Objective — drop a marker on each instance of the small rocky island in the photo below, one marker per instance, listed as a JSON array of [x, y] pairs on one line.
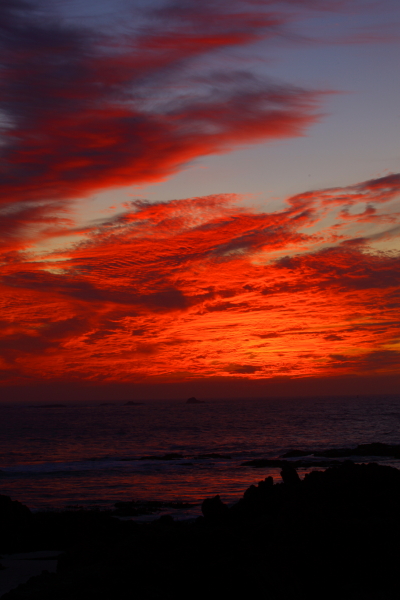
[[193, 400], [132, 403]]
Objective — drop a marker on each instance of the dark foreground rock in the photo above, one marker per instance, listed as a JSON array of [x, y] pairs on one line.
[[333, 534], [15, 520], [262, 463], [136, 508], [362, 450]]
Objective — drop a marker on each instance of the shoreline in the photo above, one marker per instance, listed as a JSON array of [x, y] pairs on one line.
[[170, 491], [343, 521]]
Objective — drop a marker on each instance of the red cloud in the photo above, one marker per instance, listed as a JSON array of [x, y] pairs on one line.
[[84, 111], [184, 289], [198, 288], [23, 224], [378, 190]]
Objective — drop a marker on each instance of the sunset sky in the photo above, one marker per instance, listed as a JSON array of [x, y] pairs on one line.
[[199, 198]]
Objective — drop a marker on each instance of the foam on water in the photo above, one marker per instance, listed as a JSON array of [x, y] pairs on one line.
[[94, 455]]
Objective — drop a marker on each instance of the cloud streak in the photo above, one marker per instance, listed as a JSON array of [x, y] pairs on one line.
[[207, 288], [191, 288], [84, 110]]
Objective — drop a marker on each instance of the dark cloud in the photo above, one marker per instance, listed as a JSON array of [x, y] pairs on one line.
[[77, 288], [242, 369], [350, 269], [266, 336], [15, 345], [24, 223], [382, 360], [181, 288], [83, 110]]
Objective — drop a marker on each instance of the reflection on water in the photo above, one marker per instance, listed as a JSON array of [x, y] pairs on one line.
[[90, 455]]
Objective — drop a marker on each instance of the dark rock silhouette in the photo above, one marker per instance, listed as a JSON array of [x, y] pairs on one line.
[[194, 400], [290, 476], [15, 519], [332, 534], [137, 508], [214, 510], [262, 463], [297, 453], [12, 511], [374, 449], [256, 501], [164, 521]]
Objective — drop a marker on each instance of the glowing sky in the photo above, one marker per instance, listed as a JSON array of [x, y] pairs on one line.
[[194, 191]]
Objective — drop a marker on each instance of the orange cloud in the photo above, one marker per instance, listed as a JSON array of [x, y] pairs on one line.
[[195, 288], [202, 288]]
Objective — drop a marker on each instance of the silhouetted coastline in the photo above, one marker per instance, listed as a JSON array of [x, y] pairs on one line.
[[332, 534], [374, 449], [127, 453]]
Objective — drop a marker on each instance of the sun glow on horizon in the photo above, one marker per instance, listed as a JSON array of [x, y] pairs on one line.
[[209, 285]]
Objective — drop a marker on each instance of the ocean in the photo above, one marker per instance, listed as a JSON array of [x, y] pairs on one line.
[[95, 456]]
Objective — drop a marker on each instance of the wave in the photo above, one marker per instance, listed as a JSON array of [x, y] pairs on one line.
[[117, 464]]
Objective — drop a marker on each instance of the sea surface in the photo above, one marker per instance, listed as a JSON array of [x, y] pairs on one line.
[[95, 456]]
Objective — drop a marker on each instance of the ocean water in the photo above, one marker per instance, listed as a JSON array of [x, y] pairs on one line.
[[58, 457]]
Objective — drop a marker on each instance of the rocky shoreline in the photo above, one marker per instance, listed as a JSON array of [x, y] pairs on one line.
[[334, 533]]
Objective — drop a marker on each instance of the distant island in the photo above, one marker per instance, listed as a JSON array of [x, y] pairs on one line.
[[194, 400], [48, 406], [132, 403]]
